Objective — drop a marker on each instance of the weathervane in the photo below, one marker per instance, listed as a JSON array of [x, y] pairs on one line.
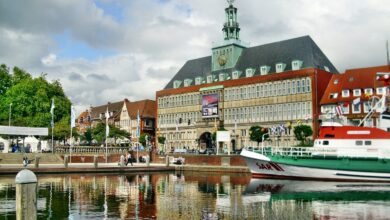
[[230, 2]]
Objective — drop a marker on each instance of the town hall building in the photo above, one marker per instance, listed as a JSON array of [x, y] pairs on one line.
[[237, 86]]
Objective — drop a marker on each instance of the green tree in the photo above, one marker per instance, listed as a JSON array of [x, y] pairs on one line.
[[142, 139], [257, 133], [116, 133], [5, 79], [161, 139], [301, 132], [31, 100], [62, 130], [87, 136], [99, 132]]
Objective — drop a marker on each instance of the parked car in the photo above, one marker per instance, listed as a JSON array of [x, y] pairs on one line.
[[207, 151], [180, 151]]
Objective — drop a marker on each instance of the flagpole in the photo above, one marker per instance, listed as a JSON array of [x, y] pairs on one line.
[[71, 144], [52, 124]]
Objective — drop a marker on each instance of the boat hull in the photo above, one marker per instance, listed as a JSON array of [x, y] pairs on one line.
[[262, 166]]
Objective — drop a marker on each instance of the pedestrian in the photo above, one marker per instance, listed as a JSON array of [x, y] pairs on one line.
[[129, 159], [122, 160], [25, 161]]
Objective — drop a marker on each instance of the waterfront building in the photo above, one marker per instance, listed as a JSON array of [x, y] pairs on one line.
[[122, 114], [238, 86], [355, 91]]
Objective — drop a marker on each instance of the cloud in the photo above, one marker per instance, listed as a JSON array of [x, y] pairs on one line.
[[139, 45]]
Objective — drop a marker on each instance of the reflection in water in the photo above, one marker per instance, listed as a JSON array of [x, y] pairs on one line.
[[198, 196]]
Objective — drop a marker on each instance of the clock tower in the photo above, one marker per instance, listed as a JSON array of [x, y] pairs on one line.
[[226, 53]]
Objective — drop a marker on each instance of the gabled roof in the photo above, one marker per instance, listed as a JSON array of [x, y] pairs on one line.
[[352, 79], [301, 48], [146, 108], [115, 107]]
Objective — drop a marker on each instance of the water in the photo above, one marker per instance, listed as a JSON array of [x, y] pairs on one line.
[[198, 196]]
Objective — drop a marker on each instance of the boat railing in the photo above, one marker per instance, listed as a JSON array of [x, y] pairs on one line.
[[297, 151]]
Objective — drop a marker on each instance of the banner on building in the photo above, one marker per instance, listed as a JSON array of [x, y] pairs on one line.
[[210, 106]]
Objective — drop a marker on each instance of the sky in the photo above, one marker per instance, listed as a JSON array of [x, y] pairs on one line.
[[108, 50]]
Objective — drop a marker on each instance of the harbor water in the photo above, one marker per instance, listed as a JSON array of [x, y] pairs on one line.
[[195, 195]]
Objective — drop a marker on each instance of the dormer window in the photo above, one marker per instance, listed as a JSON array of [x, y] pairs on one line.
[[345, 93], [280, 67], [368, 91], [198, 80], [264, 70], [209, 78], [176, 84], [249, 72], [222, 77], [187, 82], [296, 65], [357, 92], [236, 74], [333, 95], [336, 81]]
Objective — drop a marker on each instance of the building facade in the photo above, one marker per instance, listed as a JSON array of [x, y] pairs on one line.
[[355, 91], [270, 85]]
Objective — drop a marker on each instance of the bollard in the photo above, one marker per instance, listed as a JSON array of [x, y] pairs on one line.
[[37, 161], [147, 161], [26, 195], [95, 161], [66, 160], [122, 161], [167, 161]]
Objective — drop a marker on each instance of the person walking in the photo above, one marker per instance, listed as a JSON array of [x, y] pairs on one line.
[[129, 159]]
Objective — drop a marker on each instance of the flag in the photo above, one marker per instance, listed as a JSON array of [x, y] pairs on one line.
[[356, 101], [273, 130], [339, 110], [282, 128], [107, 127], [72, 117], [138, 125], [52, 107]]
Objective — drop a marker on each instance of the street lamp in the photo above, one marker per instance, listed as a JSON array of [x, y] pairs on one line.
[[10, 109]]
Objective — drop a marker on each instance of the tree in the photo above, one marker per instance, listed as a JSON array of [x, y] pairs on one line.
[[5, 79], [142, 139], [87, 136], [99, 132], [116, 133], [161, 139], [257, 133], [31, 99], [301, 132]]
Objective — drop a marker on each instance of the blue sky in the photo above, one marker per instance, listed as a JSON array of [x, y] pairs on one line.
[[108, 50]]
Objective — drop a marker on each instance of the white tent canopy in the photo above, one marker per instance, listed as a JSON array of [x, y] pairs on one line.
[[4, 145]]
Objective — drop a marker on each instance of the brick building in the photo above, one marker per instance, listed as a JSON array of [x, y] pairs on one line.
[[274, 84]]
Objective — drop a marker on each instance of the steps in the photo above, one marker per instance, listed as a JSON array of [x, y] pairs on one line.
[[17, 158]]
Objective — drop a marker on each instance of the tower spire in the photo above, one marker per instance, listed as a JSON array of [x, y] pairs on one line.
[[231, 29]]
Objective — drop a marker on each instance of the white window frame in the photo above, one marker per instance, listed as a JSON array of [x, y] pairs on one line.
[[222, 77], [357, 92], [380, 90], [358, 111], [187, 82], [345, 108], [198, 80], [366, 107], [249, 72], [209, 79], [236, 74], [264, 70], [345, 93], [368, 91], [176, 84], [333, 95], [279, 67], [296, 64]]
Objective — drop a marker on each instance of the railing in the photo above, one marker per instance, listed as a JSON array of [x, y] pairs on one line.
[[295, 151], [92, 150]]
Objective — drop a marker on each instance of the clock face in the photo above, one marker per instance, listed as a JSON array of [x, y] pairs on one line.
[[222, 59]]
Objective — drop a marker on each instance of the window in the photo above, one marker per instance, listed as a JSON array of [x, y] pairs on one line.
[[264, 70], [380, 90], [236, 74], [357, 92], [368, 91], [249, 72], [356, 108], [222, 77], [345, 108], [326, 69], [176, 84], [280, 67], [367, 142], [209, 78], [345, 93], [198, 80], [187, 82], [336, 81], [325, 143], [296, 64], [366, 107], [308, 85], [359, 143], [333, 95]]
